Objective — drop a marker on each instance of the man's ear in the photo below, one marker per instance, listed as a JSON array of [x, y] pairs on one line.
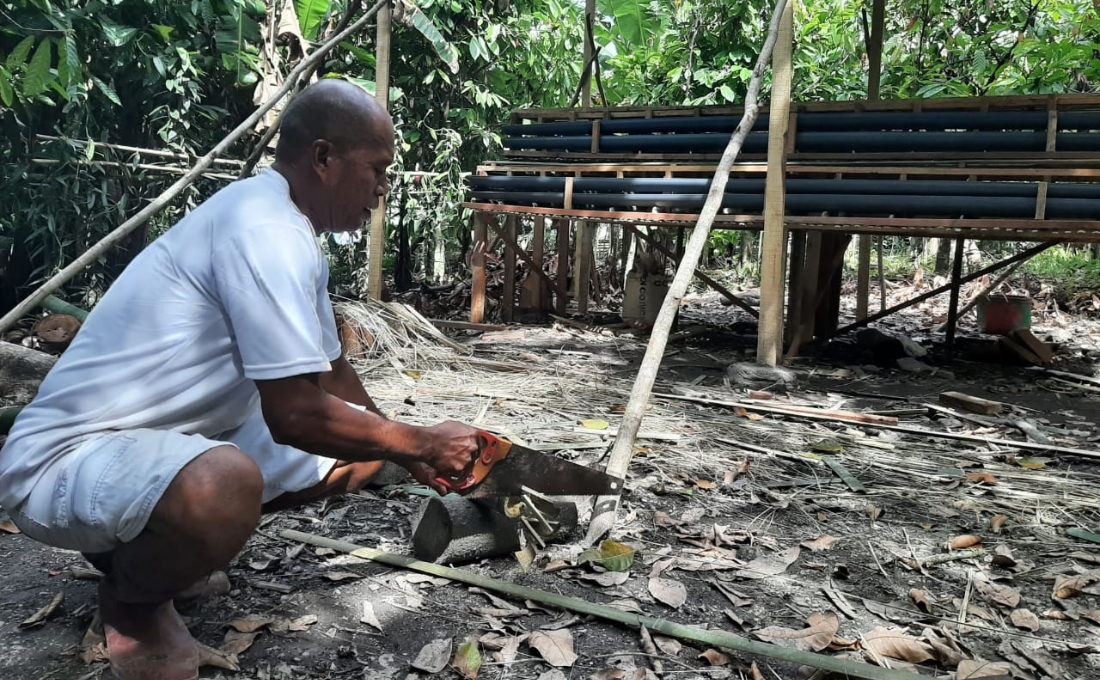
[[320, 156]]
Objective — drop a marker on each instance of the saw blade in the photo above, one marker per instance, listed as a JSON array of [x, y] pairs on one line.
[[546, 474]]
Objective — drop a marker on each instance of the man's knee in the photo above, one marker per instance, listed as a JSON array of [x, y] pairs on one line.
[[222, 489]]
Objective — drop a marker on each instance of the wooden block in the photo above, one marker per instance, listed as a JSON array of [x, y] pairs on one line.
[[1037, 346], [1019, 351], [970, 403]]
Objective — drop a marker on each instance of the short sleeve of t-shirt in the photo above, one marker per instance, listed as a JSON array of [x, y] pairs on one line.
[[330, 337], [267, 278]]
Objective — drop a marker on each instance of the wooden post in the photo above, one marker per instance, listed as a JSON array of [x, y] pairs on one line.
[[538, 250], [956, 276], [581, 271], [770, 337], [874, 80], [794, 293], [382, 94], [563, 266], [509, 302], [477, 261]]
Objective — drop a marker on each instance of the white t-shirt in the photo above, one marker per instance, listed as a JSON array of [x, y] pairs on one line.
[[236, 292]]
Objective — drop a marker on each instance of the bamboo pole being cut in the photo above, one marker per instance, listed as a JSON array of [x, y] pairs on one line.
[[605, 509], [92, 254], [717, 638]]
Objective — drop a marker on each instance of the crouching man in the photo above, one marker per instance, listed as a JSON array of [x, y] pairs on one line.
[[208, 386]]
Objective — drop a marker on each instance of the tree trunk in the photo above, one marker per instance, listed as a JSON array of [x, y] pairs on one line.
[[21, 373]]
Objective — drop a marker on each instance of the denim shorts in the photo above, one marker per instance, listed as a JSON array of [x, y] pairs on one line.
[[102, 492]]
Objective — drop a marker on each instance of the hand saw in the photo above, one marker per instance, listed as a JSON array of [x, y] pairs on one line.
[[506, 469]]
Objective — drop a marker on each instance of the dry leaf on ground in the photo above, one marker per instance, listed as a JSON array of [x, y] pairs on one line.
[[39, 617], [964, 541], [981, 477], [467, 660], [302, 623], [552, 674], [770, 565], [433, 657], [714, 657], [555, 646], [607, 578], [340, 575], [216, 658], [8, 527], [996, 522], [368, 616], [237, 643], [897, 645], [1002, 556], [667, 645], [663, 520], [251, 623], [1025, 620], [756, 674], [669, 591], [822, 629], [823, 542], [997, 593], [626, 606], [1072, 586], [921, 599], [983, 670]]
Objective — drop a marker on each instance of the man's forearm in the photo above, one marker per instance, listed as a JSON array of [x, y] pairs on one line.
[[343, 382]]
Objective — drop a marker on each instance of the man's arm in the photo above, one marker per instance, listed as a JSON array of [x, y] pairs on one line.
[[300, 413], [343, 382]]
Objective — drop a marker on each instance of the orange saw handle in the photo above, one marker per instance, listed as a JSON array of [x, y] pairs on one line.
[[491, 450]]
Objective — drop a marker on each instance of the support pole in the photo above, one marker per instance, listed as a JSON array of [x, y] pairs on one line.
[[606, 507], [561, 296], [772, 255], [583, 241], [874, 81], [953, 306], [508, 302], [382, 94], [477, 263]]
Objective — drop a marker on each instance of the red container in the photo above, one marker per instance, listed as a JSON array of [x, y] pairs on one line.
[[1002, 314]]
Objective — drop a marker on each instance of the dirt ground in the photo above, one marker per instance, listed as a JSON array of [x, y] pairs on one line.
[[734, 513]]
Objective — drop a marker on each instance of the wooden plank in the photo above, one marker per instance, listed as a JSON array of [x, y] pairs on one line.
[[971, 403], [1037, 346], [464, 326], [1020, 351], [773, 255], [561, 298], [508, 304], [729, 295], [863, 276], [583, 259], [477, 261], [956, 276]]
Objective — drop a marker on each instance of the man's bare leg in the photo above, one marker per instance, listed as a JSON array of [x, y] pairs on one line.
[[200, 523], [344, 478]]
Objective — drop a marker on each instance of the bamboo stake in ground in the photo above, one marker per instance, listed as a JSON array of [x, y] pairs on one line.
[[717, 638], [604, 513], [105, 244]]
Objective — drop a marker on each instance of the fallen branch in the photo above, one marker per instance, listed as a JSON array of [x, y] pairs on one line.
[[952, 557], [785, 410], [1084, 453], [717, 638], [605, 510], [120, 232]]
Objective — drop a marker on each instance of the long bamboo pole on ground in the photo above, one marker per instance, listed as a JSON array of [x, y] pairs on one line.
[[605, 510], [120, 232], [717, 638]]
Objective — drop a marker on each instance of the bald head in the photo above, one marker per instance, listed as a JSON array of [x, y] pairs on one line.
[[334, 110]]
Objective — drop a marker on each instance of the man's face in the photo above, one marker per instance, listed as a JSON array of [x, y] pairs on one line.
[[354, 179]]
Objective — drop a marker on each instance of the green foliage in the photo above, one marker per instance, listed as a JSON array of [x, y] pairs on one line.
[[1072, 271], [312, 15]]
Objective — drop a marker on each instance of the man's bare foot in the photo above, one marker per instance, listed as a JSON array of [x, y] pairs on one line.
[[146, 642]]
